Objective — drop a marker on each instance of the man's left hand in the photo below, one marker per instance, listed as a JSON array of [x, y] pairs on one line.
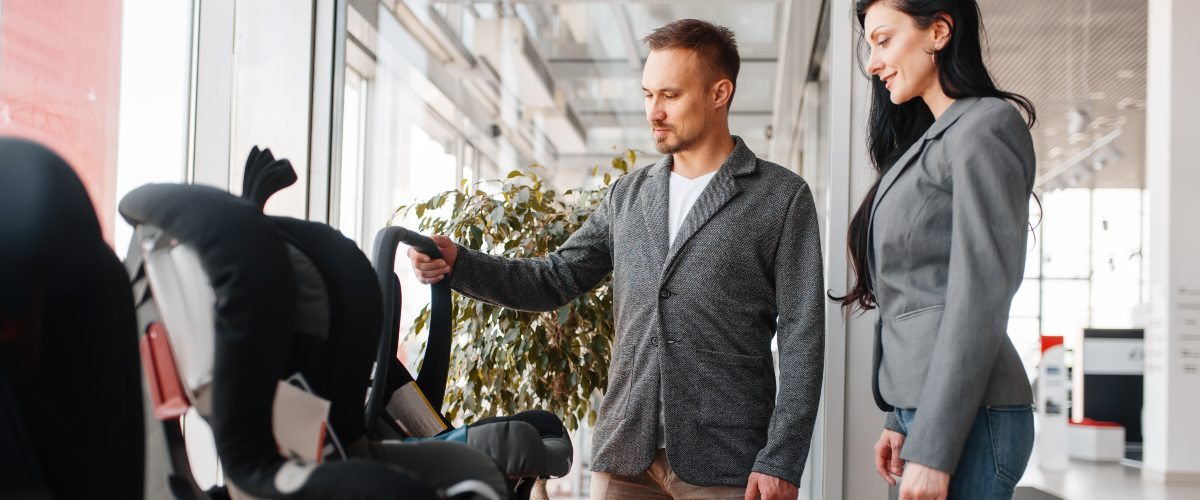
[[770, 488]]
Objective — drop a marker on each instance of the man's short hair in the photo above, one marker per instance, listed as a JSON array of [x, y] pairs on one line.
[[714, 45]]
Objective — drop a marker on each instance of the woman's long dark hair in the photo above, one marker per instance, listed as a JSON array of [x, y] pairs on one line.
[[893, 128]]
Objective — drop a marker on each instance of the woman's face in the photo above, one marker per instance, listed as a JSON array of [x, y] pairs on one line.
[[901, 52]]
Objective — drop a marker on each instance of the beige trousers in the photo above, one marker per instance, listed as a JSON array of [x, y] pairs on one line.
[[658, 482]]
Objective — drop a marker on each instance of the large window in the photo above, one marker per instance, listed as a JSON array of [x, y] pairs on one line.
[[350, 178], [1084, 268], [155, 85], [414, 144], [271, 95]]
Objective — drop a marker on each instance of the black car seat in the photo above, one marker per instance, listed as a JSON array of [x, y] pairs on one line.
[[219, 273], [70, 393], [527, 446]]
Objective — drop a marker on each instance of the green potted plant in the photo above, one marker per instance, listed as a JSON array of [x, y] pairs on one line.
[[505, 361]]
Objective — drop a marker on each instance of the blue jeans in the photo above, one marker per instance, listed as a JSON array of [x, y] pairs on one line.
[[995, 454]]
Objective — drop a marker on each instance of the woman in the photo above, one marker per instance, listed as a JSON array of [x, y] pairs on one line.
[[939, 246]]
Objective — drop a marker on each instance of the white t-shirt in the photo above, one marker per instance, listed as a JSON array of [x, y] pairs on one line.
[[684, 193]]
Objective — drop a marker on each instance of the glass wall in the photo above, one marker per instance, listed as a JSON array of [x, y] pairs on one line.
[[271, 99], [404, 138], [1084, 268], [152, 135], [349, 209]]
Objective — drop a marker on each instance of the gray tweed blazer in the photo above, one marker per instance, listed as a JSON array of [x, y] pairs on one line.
[[948, 247], [693, 321]]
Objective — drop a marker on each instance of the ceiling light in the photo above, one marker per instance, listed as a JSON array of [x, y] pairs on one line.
[[1077, 121], [1131, 103]]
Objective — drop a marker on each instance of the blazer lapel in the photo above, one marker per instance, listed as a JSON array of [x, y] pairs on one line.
[[940, 125], [720, 190], [896, 169], [653, 200]]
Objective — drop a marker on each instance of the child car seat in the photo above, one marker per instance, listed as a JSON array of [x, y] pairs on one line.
[[241, 308], [529, 445]]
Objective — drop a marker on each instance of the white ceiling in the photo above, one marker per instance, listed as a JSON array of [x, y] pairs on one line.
[[1082, 55], [1088, 55], [590, 56]]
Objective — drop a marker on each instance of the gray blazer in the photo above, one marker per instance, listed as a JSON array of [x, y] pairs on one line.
[[695, 319], [948, 247]]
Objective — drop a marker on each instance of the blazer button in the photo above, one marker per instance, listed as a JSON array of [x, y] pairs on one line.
[[664, 294], [654, 341]]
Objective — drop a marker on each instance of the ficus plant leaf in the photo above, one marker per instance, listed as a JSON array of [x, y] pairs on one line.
[[504, 361]]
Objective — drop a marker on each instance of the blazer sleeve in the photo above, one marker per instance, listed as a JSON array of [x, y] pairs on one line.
[[542, 283], [892, 422], [991, 180], [799, 289]]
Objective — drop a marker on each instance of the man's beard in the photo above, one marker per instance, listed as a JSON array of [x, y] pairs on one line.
[[684, 144]]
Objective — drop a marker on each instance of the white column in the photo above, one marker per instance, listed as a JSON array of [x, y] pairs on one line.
[[1172, 398], [852, 421]]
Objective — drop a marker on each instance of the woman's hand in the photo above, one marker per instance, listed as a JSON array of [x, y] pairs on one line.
[[923, 483], [431, 271], [887, 455]]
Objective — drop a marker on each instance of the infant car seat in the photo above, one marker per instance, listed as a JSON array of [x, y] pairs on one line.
[[528, 445], [231, 307]]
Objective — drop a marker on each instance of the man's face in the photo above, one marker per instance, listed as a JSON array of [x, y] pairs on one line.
[[679, 105]]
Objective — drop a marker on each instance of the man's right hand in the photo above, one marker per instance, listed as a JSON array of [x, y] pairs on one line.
[[430, 271], [887, 455]]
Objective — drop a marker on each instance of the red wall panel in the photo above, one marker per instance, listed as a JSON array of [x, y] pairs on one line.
[[60, 67]]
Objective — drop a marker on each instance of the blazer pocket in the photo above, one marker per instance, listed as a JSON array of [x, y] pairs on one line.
[[735, 390], [919, 311], [615, 404]]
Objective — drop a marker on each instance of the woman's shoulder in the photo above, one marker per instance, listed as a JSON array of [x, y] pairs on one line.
[[992, 127], [992, 113]]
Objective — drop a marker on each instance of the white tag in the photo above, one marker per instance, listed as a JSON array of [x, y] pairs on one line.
[[299, 423], [413, 412]]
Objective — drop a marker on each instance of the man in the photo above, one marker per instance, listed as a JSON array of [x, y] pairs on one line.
[[713, 252]]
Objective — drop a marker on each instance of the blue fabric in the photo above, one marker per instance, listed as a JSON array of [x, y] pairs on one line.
[[996, 452], [458, 435]]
